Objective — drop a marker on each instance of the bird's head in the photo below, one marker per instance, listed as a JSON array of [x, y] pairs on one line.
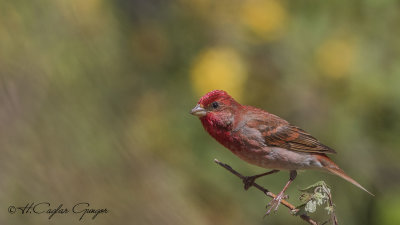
[[216, 108]]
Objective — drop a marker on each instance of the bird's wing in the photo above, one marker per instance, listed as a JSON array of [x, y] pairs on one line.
[[278, 132]]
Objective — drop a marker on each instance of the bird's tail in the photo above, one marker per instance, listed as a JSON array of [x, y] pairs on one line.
[[333, 168], [343, 175]]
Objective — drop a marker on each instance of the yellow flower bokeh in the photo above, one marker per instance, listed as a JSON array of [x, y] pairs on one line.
[[88, 14], [335, 57], [266, 18], [219, 68]]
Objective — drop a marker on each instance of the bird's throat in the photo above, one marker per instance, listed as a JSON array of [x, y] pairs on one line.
[[220, 130]]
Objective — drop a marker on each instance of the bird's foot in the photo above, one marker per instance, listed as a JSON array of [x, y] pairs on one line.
[[274, 203], [248, 182]]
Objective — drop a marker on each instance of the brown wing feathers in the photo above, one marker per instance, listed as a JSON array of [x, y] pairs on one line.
[[306, 140], [278, 132], [294, 138]]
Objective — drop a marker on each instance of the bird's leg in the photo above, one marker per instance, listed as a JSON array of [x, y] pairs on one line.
[[249, 181], [274, 203]]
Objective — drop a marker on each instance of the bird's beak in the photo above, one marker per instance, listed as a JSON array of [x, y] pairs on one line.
[[198, 111]]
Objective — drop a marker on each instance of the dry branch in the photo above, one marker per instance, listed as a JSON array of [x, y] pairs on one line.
[[267, 193]]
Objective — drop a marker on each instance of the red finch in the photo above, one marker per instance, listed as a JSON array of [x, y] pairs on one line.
[[263, 139]]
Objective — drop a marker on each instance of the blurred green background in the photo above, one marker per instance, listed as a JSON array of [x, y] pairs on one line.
[[95, 97]]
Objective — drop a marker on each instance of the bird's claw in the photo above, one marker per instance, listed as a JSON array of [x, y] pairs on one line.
[[274, 203], [248, 182]]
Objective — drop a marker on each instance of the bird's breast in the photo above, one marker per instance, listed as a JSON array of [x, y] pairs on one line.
[[256, 152], [248, 144]]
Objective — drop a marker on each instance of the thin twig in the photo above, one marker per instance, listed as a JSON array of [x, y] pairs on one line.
[[330, 203], [267, 193]]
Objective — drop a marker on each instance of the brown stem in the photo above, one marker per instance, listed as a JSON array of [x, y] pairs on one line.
[[267, 193], [330, 203]]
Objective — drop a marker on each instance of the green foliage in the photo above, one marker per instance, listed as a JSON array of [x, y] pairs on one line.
[[316, 195]]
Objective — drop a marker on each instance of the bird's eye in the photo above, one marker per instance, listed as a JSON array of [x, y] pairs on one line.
[[214, 105]]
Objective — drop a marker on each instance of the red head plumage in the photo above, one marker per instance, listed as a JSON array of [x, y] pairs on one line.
[[214, 96]]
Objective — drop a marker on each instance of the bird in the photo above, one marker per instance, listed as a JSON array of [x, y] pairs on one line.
[[265, 140]]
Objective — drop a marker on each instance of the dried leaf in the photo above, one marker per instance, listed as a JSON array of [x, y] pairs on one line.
[[311, 206]]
